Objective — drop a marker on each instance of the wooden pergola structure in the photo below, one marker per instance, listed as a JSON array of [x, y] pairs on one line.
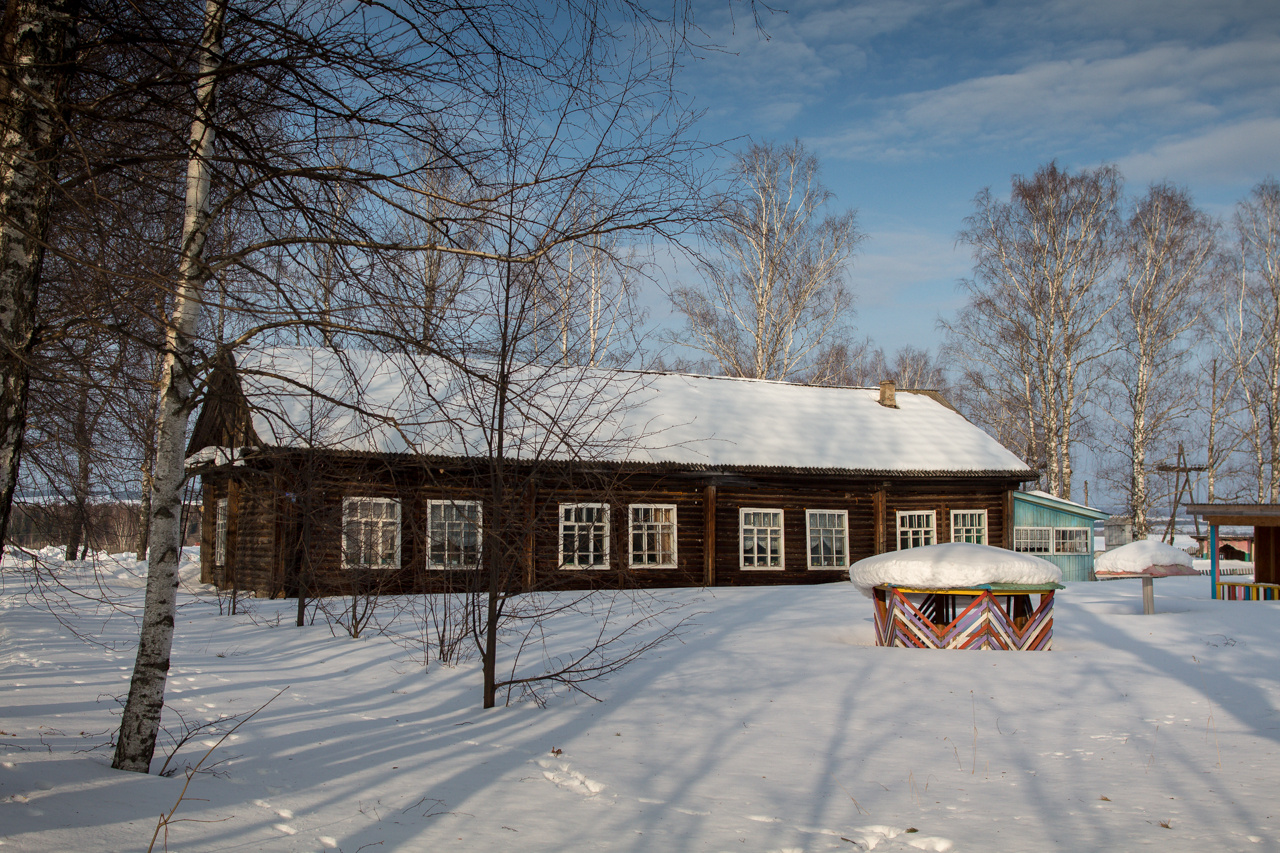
[[1265, 521]]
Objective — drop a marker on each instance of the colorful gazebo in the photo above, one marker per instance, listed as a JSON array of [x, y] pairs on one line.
[[960, 596]]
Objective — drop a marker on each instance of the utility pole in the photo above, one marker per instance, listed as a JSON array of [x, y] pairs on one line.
[[1182, 477]]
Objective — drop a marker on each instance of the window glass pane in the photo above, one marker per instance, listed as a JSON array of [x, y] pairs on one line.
[[584, 535], [653, 536], [969, 526], [761, 537], [828, 539], [1071, 540], [915, 529], [220, 534], [1033, 540], [454, 534], [371, 533]]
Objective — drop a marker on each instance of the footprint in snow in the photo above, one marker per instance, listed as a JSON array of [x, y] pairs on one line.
[[897, 838], [560, 774]]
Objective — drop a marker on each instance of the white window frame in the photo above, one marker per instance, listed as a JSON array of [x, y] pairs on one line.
[[386, 522], [650, 535], [1084, 534], [475, 521], [756, 537], [575, 527], [220, 531], [976, 533], [839, 537], [908, 526], [1042, 534]]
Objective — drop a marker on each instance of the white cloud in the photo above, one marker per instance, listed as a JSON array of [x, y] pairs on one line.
[[1077, 100], [1239, 153]]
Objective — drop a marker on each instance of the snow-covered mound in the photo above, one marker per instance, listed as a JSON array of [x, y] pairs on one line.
[[1146, 557], [951, 565]]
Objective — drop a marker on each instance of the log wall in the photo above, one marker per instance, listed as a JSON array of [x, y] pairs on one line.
[[285, 530]]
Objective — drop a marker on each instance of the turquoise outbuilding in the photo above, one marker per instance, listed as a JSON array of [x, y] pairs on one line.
[[1058, 530]]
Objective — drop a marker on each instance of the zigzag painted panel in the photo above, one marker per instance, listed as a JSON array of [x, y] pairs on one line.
[[985, 623]]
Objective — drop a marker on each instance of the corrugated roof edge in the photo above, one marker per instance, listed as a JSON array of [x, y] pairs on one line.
[[1062, 504], [247, 454]]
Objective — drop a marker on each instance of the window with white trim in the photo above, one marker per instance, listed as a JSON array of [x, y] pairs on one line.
[[1072, 540], [828, 531], [1033, 540], [969, 525], [916, 529], [370, 533], [453, 534], [653, 536], [584, 536], [760, 538], [220, 533]]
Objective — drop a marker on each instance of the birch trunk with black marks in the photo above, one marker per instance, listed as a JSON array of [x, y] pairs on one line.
[[140, 723], [38, 45]]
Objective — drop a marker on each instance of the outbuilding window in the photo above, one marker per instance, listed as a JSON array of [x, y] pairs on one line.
[[1033, 540], [653, 536], [370, 533], [453, 531], [969, 525], [828, 531], [1072, 540], [584, 536], [220, 533], [916, 529], [761, 538]]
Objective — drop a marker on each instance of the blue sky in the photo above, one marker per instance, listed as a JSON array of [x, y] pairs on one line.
[[913, 107]]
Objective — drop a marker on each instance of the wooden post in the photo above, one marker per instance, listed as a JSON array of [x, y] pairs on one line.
[[530, 570], [877, 510], [709, 536], [1006, 537], [233, 536], [1213, 557]]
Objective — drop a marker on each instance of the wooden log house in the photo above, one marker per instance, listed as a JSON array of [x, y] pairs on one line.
[[322, 470]]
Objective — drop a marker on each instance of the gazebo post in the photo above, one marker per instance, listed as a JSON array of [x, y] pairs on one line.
[[1213, 558]]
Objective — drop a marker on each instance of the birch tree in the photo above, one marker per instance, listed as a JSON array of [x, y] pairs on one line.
[[774, 272], [1253, 329], [36, 50], [508, 95], [1167, 247], [140, 722], [1028, 338]]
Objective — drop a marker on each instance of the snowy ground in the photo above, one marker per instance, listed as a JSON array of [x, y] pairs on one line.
[[775, 725]]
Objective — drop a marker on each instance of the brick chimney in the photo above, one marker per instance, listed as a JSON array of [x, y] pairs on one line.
[[887, 394]]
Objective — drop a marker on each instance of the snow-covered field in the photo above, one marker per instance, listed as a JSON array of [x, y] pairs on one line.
[[775, 725]]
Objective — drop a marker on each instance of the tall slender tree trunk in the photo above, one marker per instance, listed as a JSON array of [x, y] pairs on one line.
[[35, 66], [140, 722], [82, 440]]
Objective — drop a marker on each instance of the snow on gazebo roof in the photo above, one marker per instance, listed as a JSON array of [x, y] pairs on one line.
[[366, 401], [952, 565], [1145, 557]]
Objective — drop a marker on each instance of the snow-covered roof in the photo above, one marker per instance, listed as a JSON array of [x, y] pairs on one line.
[[370, 402], [952, 565], [1145, 557], [1045, 499]]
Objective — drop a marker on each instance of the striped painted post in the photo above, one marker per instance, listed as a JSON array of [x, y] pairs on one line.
[[1213, 558]]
